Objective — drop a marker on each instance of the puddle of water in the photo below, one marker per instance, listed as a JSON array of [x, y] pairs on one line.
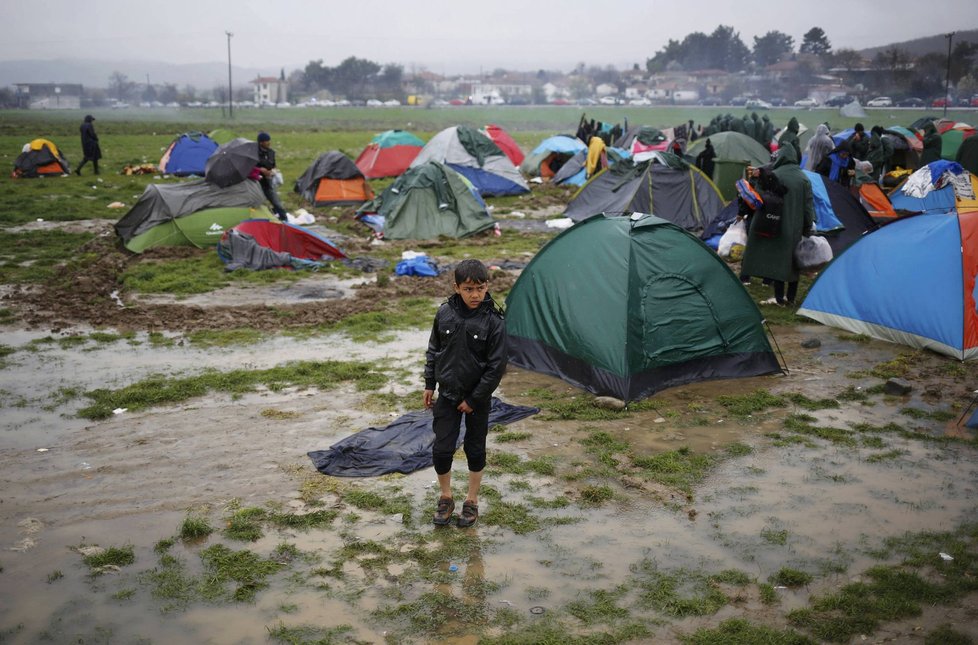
[[310, 289], [131, 478]]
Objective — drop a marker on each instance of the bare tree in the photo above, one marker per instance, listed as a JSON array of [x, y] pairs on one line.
[[120, 85]]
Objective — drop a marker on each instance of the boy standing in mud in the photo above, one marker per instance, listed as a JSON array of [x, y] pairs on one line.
[[466, 358]]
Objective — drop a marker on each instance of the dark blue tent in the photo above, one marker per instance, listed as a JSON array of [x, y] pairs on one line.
[[188, 154]]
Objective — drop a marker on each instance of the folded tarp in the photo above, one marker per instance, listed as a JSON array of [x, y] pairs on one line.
[[404, 446]]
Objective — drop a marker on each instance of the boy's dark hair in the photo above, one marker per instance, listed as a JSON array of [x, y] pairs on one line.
[[471, 270], [859, 128]]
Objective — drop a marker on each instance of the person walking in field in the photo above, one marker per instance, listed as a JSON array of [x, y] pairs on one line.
[[466, 358], [91, 151]]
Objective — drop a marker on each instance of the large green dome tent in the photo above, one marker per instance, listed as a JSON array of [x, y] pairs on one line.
[[426, 202], [627, 305]]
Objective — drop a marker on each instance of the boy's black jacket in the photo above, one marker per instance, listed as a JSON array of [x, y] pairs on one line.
[[467, 351]]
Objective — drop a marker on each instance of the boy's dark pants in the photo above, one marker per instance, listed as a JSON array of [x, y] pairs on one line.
[[446, 425]]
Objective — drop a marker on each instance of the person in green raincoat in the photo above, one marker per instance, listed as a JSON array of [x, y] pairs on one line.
[[879, 153], [790, 137], [749, 127], [932, 145], [774, 257], [768, 132]]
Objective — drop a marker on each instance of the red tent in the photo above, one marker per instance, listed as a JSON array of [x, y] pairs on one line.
[[506, 143], [297, 241]]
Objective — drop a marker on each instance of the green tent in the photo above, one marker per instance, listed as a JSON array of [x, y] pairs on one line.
[[627, 305], [426, 202], [951, 141], [192, 213], [734, 152]]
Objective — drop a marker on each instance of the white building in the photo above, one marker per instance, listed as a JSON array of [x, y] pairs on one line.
[[270, 90]]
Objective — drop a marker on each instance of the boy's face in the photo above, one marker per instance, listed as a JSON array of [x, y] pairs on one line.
[[473, 293]]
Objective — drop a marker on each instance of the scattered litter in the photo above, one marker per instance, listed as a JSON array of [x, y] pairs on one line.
[[517, 214], [99, 180], [537, 610], [397, 518], [87, 551], [780, 587], [40, 219], [301, 217], [85, 465], [119, 410], [115, 298], [658, 420], [410, 255], [945, 556], [506, 602], [43, 449], [560, 222], [116, 205], [453, 567], [536, 180]]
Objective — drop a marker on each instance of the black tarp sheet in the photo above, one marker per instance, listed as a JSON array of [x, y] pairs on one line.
[[403, 446]]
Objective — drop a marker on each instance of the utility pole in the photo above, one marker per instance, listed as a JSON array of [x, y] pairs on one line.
[[947, 76], [230, 91]]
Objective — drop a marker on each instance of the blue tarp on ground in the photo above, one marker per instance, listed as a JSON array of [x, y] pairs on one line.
[[404, 446]]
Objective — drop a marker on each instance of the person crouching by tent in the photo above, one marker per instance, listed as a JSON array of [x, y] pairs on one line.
[[838, 165], [770, 250], [266, 167], [91, 151], [466, 358]]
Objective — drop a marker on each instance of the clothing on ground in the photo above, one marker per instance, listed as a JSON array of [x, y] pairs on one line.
[[403, 446]]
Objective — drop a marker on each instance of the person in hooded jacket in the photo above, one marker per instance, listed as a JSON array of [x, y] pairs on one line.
[[819, 147], [466, 358], [880, 151], [91, 151], [790, 137], [933, 145], [774, 257], [704, 160]]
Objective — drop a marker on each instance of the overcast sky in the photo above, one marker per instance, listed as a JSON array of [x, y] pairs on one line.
[[444, 36]]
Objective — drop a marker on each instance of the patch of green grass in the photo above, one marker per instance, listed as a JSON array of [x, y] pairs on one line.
[[738, 449], [164, 545], [577, 408], [205, 338], [313, 520], [511, 437], [110, 557], [767, 593], [872, 442], [774, 536], [746, 405], [678, 593], [515, 465], [32, 257], [598, 606], [124, 594], [737, 631], [789, 577], [246, 570], [557, 502], [731, 577], [803, 401], [160, 390], [246, 524], [515, 517], [310, 635], [936, 415], [596, 495], [681, 469], [378, 326], [433, 611], [195, 528], [158, 339], [550, 631], [55, 575], [388, 504], [802, 424]]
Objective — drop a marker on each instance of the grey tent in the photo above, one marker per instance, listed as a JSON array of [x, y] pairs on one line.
[[663, 185], [333, 180], [191, 212], [852, 110]]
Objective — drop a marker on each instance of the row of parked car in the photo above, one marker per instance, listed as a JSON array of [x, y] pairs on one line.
[[844, 99]]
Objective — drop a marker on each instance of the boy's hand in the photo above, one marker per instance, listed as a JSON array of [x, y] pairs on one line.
[[464, 407], [428, 394]]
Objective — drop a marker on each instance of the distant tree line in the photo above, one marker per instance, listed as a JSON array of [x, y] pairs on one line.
[[354, 78]]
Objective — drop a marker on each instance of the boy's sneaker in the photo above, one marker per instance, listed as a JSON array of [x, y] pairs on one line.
[[470, 514], [443, 513]]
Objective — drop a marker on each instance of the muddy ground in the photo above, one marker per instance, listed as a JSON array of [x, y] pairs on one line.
[[819, 506]]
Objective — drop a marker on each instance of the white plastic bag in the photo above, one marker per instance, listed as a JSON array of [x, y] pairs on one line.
[[812, 252], [735, 236], [277, 178]]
